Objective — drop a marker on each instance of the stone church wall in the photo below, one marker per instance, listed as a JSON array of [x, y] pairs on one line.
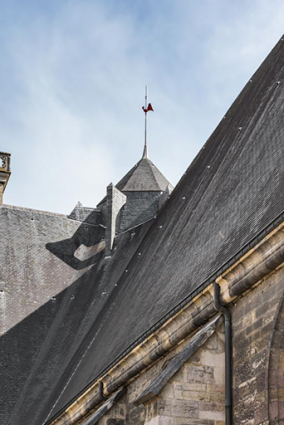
[[258, 333], [194, 395]]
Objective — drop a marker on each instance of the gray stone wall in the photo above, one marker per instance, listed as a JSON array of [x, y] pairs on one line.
[[1, 193], [258, 334], [195, 394], [140, 207], [86, 214], [115, 201]]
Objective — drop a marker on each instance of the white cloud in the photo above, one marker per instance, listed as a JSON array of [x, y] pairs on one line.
[[72, 85]]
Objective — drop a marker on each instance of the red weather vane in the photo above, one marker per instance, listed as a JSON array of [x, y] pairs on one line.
[[149, 108]]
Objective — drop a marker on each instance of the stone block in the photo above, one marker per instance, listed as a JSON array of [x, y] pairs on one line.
[[113, 421], [219, 374], [135, 415], [188, 421], [188, 391], [217, 415], [160, 420], [185, 408], [199, 374], [167, 391], [212, 359]]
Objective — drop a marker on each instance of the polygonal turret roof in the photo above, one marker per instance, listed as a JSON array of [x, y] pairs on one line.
[[143, 177]]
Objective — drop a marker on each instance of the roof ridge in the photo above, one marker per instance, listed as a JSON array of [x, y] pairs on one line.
[[128, 175], [16, 207], [151, 168]]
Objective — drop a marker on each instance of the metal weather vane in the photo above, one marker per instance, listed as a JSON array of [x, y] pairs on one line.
[[146, 109]]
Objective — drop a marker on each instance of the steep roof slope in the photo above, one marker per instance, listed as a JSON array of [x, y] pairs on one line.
[[24, 269], [55, 283], [231, 192]]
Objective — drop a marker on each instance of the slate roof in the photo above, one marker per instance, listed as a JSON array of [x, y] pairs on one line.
[[52, 296], [144, 176], [231, 193]]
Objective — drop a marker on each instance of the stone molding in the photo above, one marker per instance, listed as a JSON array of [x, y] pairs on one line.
[[5, 161], [245, 273]]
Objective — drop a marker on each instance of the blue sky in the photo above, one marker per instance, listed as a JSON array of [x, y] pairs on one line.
[[72, 80]]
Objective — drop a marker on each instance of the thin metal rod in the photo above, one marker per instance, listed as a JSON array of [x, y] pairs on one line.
[[145, 153]]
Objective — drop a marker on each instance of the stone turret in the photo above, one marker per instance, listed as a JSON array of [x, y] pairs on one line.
[[135, 199], [5, 173], [143, 185]]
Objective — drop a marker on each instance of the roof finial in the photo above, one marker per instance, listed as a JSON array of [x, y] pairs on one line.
[[146, 109]]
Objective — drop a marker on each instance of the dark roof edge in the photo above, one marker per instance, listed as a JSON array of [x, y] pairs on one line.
[[200, 152], [120, 185], [14, 207]]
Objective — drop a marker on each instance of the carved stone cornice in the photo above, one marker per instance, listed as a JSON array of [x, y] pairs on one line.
[[5, 161], [5, 172]]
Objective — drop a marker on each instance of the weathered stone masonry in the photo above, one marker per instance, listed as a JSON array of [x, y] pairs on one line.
[[195, 395], [258, 361]]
